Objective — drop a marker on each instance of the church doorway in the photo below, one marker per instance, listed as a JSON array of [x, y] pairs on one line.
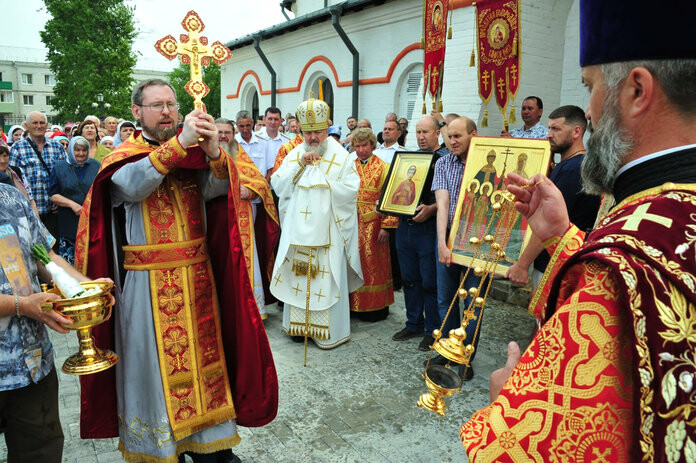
[[250, 100]]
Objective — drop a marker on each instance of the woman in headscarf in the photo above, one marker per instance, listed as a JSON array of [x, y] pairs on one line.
[[70, 181], [63, 140], [88, 129], [13, 175], [14, 134], [107, 141], [124, 130]]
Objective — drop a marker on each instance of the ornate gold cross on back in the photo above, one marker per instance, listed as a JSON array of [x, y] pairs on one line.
[[195, 52]]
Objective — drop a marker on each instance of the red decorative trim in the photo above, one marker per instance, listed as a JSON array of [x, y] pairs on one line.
[[339, 83]]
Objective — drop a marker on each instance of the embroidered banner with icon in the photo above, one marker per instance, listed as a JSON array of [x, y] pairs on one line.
[[498, 43], [434, 36]]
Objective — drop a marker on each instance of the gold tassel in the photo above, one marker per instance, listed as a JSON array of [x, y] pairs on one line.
[[514, 46], [484, 121], [424, 107], [505, 122], [422, 43], [439, 106], [434, 105], [513, 119], [449, 31], [472, 61]]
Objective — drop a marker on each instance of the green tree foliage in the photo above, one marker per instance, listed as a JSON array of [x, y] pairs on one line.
[[90, 52], [211, 76]]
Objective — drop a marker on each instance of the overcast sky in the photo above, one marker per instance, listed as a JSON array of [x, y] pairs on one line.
[[224, 21]]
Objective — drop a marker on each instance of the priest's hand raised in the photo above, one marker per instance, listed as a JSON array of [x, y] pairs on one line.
[[310, 157], [541, 203], [199, 127]]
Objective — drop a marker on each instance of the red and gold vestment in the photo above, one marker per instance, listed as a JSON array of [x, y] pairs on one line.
[[215, 359], [610, 375], [377, 292]]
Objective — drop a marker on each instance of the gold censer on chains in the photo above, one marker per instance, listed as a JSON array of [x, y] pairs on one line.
[[440, 380]]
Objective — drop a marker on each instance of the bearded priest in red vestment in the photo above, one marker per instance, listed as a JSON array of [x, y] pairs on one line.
[[610, 375], [194, 357], [372, 300]]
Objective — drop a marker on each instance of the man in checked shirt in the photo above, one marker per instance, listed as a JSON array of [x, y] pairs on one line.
[[447, 181], [35, 155]]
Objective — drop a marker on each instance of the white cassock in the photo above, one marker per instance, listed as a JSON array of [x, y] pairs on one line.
[[319, 217]]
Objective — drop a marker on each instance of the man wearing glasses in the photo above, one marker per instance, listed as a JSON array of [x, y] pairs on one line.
[[161, 218]]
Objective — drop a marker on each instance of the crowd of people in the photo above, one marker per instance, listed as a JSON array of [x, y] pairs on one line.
[[204, 224]]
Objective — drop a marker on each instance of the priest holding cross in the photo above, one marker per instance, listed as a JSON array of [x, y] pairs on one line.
[[161, 219]]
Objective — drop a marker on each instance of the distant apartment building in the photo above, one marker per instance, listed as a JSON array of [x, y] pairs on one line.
[[26, 84]]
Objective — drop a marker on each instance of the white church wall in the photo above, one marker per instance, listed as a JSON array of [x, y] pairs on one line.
[[549, 64], [380, 34], [572, 90], [544, 63]]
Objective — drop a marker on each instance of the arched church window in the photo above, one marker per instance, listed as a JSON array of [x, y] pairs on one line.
[[408, 91]]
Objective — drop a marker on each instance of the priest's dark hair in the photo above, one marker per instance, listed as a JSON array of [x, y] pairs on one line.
[[572, 114], [137, 95]]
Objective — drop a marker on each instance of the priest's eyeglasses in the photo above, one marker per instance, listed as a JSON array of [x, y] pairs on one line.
[[159, 107]]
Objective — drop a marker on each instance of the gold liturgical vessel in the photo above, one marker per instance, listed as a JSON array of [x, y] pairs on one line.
[[86, 312], [440, 380]]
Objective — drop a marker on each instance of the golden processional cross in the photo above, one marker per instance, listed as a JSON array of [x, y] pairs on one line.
[[195, 52]]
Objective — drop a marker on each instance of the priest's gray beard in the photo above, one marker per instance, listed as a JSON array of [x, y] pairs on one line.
[[320, 148], [607, 148], [231, 148]]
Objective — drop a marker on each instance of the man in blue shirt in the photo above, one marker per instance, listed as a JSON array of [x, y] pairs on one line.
[[28, 380], [35, 156], [532, 109]]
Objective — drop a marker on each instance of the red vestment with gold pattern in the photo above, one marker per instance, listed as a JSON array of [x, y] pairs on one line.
[[610, 375], [378, 291], [218, 364]]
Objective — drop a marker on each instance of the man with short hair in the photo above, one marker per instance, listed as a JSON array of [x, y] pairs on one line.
[[274, 139], [292, 128], [610, 374], [36, 155], [416, 248], [110, 124], [567, 126], [447, 182], [194, 356], [532, 109], [352, 124], [392, 117], [253, 144], [391, 134], [258, 217], [318, 262], [364, 124]]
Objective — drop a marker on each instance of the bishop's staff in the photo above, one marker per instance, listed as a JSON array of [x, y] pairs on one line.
[[195, 52]]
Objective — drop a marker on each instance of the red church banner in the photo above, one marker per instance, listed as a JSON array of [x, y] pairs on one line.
[[498, 32], [434, 36]]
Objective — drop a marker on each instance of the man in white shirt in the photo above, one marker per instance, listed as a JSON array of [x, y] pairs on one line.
[[254, 145], [390, 133], [274, 138]]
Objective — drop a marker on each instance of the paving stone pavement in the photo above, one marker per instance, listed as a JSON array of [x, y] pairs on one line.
[[356, 403]]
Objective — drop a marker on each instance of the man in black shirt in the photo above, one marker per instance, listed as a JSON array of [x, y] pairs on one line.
[[567, 126]]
